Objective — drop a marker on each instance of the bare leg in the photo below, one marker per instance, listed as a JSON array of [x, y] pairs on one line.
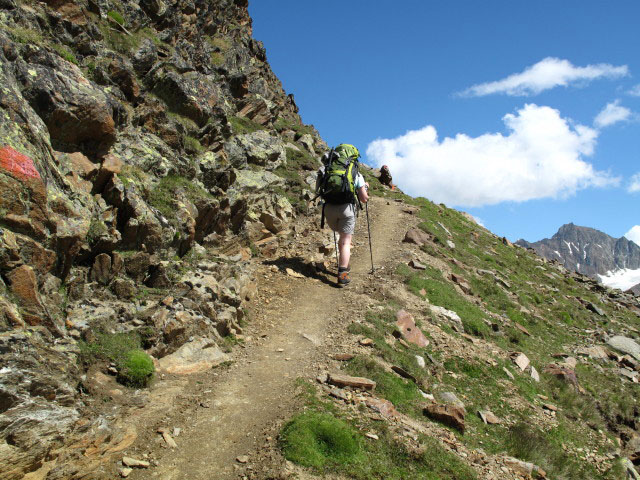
[[344, 246]]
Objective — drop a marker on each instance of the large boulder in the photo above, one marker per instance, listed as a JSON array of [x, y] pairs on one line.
[[78, 114], [258, 148]]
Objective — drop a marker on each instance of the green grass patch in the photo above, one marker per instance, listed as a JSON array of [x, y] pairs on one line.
[[315, 439], [192, 145], [135, 367], [217, 59], [442, 293], [322, 439], [282, 124], [117, 16], [243, 125], [25, 35], [163, 195]]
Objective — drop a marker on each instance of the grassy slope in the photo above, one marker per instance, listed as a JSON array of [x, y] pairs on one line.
[[542, 299]]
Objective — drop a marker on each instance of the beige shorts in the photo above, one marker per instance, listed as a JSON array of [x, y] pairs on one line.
[[341, 218]]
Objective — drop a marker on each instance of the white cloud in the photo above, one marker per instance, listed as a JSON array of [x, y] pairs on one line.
[[634, 184], [540, 157], [634, 234], [544, 75], [635, 91], [612, 113]]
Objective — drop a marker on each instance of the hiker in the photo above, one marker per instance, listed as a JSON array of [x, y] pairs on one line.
[[385, 177], [341, 187]]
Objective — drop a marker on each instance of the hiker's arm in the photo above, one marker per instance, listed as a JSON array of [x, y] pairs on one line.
[[363, 193]]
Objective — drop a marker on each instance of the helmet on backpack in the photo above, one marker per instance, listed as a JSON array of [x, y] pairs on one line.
[[347, 150]]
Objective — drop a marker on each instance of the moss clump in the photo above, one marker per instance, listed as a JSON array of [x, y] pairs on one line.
[[137, 369], [317, 439]]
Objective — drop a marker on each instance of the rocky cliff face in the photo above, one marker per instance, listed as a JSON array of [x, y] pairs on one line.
[[587, 251], [146, 151]]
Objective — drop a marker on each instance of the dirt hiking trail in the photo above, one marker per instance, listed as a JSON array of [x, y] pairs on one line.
[[296, 324]]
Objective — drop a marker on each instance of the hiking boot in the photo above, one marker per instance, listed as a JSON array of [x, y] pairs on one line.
[[343, 278]]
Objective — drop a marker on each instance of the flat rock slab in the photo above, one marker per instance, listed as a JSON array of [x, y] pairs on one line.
[[193, 357], [521, 360], [417, 236], [408, 329], [625, 345], [382, 406], [449, 415], [354, 382], [488, 417]]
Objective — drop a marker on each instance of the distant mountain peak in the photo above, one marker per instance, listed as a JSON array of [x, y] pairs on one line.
[[588, 251]]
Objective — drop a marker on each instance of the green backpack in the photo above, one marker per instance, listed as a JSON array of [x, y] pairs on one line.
[[336, 187]]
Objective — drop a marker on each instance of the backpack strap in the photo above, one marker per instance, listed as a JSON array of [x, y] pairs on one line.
[[322, 217]]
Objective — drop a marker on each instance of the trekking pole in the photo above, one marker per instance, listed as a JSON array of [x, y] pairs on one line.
[[369, 230], [335, 242]]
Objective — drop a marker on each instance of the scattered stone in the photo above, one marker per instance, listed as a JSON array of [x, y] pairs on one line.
[[421, 362], [509, 374], [404, 374], [354, 382], [449, 315], [382, 406], [311, 338], [451, 245], [534, 374], [135, 463], [522, 329], [449, 415], [563, 373], [322, 378], [343, 357], [417, 265], [166, 436], [625, 345], [450, 398], [293, 273], [595, 352], [521, 360], [193, 357], [417, 236], [595, 309], [242, 459], [340, 394], [488, 417], [366, 342], [524, 468], [125, 472], [548, 406], [408, 329], [372, 436]]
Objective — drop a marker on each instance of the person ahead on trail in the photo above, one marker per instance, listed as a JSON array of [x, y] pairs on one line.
[[385, 177], [341, 187]]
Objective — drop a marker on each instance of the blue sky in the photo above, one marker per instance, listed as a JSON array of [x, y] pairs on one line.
[[489, 107]]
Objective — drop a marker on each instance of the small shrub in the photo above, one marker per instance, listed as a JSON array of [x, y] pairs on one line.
[[137, 369]]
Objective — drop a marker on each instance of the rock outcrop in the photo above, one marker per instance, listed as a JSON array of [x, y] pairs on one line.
[[143, 150]]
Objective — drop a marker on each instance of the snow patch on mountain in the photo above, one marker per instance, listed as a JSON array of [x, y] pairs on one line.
[[623, 278]]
